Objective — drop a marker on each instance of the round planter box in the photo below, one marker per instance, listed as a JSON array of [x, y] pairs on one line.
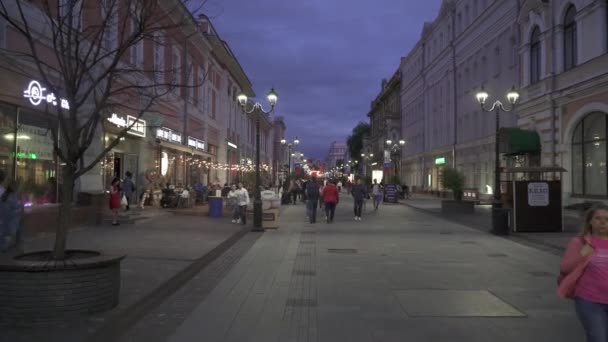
[[36, 290]]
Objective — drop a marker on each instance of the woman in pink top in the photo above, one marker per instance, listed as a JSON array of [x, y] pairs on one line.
[[588, 254]]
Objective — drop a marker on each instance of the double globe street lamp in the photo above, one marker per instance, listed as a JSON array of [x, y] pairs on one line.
[[255, 108], [499, 225], [294, 144], [395, 149]]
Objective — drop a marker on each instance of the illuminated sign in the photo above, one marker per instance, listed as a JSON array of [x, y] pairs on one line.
[[36, 94], [164, 163], [197, 144], [169, 135], [232, 145], [440, 161], [138, 127], [24, 155]]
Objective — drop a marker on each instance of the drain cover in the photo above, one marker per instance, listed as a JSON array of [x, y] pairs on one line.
[[342, 250], [305, 272], [497, 255], [301, 302]]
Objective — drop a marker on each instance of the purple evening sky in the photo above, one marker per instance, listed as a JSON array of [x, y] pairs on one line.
[[325, 58]]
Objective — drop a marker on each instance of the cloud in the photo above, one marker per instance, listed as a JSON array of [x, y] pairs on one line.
[[326, 58]]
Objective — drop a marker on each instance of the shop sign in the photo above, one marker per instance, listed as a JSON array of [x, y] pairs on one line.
[[538, 194], [36, 94], [169, 135], [440, 161], [197, 144], [24, 155], [232, 145], [138, 128]]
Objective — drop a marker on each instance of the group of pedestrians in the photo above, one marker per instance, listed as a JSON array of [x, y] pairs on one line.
[[317, 194], [238, 198]]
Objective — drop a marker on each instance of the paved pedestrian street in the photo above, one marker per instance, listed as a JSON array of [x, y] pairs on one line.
[[399, 275]]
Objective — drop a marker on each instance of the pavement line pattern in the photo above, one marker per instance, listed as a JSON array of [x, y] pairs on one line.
[[300, 315]]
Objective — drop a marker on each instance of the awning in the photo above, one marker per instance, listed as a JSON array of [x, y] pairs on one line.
[[516, 141], [185, 149]]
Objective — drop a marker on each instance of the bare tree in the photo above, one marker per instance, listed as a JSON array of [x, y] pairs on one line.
[[90, 55]]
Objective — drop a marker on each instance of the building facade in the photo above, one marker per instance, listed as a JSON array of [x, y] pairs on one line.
[[471, 43], [280, 152], [564, 88], [335, 154], [385, 124], [190, 135]]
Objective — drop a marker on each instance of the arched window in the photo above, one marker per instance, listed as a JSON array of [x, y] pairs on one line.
[[570, 38], [535, 56], [589, 156]]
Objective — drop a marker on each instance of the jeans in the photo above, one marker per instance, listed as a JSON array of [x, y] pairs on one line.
[[243, 213], [311, 207], [358, 207], [594, 318], [330, 209], [236, 212]]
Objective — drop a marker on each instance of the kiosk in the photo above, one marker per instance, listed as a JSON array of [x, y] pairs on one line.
[[536, 194]]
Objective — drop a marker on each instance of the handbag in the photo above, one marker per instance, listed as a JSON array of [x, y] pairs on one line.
[[566, 282], [123, 200]]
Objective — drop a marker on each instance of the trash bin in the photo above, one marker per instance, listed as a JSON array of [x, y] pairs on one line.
[[216, 205], [500, 221]]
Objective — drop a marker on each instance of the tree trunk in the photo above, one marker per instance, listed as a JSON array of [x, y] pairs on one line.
[[64, 219]]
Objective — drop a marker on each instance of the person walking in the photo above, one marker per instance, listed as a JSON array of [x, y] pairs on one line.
[[359, 192], [233, 204], [584, 274], [242, 198], [128, 188], [312, 195], [11, 213], [115, 200], [293, 189], [331, 197], [377, 194]]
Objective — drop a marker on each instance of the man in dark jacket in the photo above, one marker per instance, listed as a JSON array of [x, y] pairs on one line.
[[312, 196], [359, 192]]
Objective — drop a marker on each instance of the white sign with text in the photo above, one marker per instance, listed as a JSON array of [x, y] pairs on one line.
[[538, 194]]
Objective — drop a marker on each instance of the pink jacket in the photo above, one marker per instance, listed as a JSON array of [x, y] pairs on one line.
[[572, 267]]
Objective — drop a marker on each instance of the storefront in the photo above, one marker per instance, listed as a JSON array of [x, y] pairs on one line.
[[124, 157]]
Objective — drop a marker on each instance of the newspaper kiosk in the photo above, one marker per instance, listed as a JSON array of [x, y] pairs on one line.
[[537, 198]]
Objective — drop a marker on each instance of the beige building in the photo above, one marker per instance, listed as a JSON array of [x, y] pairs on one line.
[[564, 82], [469, 44]]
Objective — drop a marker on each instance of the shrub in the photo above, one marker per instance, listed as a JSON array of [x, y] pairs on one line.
[[454, 180]]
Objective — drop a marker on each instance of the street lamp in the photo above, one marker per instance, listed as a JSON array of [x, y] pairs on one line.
[[290, 145], [394, 148], [512, 97], [257, 110]]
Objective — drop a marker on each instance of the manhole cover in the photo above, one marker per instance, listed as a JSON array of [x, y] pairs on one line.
[[497, 255], [454, 303], [308, 273], [342, 250], [301, 302]]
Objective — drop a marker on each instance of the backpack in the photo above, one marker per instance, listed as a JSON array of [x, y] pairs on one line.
[[312, 189]]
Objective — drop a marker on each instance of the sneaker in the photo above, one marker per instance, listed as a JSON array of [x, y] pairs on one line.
[[238, 221], [359, 218], [233, 221], [356, 218]]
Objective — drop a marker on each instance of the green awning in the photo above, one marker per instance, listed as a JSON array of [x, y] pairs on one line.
[[516, 141]]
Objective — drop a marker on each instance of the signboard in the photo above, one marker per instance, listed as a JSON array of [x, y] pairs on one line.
[[169, 135], [36, 94], [138, 127], [538, 194], [391, 195], [440, 161], [196, 143], [387, 165], [232, 145]]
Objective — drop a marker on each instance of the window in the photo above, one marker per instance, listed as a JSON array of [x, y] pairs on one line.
[[109, 12], [2, 33], [137, 50], [570, 45], [175, 61], [535, 56], [71, 13], [497, 61], [159, 56], [589, 156], [202, 98], [189, 79]]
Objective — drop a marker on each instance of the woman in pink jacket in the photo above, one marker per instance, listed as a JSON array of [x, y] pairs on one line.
[[584, 274]]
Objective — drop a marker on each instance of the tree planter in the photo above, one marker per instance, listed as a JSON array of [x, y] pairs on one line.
[[36, 290], [457, 207]]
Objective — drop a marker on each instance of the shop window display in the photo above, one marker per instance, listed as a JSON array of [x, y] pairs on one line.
[[589, 156]]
